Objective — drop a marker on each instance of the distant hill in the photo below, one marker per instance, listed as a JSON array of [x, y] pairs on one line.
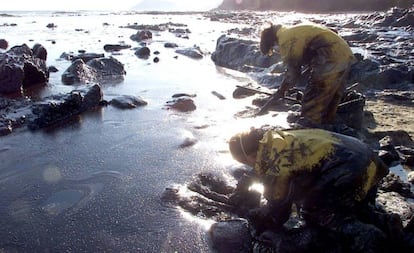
[[151, 5], [314, 5]]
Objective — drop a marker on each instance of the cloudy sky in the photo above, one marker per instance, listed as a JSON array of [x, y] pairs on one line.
[[71, 5]]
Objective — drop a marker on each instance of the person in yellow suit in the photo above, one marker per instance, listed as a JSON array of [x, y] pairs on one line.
[[326, 54], [329, 176]]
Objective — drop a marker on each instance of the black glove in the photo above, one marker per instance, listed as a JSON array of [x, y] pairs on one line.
[[260, 219], [245, 182], [243, 202], [270, 217]]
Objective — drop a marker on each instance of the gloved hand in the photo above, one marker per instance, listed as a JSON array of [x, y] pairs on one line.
[[270, 217], [237, 197], [244, 201], [260, 219], [244, 183]]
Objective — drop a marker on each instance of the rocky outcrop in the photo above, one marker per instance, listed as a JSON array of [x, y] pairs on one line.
[[128, 102], [22, 67], [143, 52], [97, 70], [313, 6], [181, 104], [211, 197], [60, 108], [241, 55], [141, 36], [192, 52], [231, 236], [388, 65]]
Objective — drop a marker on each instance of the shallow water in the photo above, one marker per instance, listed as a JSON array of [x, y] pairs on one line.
[[95, 184]]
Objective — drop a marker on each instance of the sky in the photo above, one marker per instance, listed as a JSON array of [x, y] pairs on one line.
[[73, 5]]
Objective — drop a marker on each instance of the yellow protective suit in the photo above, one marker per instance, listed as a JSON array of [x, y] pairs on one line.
[[331, 178], [316, 167], [329, 58]]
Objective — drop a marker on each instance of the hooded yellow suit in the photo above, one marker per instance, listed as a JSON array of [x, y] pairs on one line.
[[329, 58], [316, 168]]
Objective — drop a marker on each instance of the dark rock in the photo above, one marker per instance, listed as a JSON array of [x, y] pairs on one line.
[[248, 90], [86, 57], [364, 71], [4, 44], [53, 69], [40, 52], [156, 60], [66, 56], [232, 236], [203, 207], [170, 45], [393, 183], [393, 202], [58, 109], [178, 95], [143, 52], [109, 69], [398, 137], [12, 77], [182, 104], [97, 70], [406, 154], [180, 32], [141, 36], [194, 52], [21, 68], [390, 77], [170, 196], [395, 17], [215, 182], [351, 110], [35, 72], [220, 96], [5, 129], [157, 28], [79, 72], [235, 54], [14, 113], [407, 20], [387, 152], [115, 47], [240, 92], [127, 102], [92, 97], [51, 25], [361, 36]]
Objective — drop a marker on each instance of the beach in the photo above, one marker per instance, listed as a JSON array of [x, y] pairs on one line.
[[94, 184]]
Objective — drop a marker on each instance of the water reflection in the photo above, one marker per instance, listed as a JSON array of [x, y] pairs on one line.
[[204, 223]]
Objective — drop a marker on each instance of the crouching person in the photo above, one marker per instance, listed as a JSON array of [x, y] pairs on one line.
[[329, 176]]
